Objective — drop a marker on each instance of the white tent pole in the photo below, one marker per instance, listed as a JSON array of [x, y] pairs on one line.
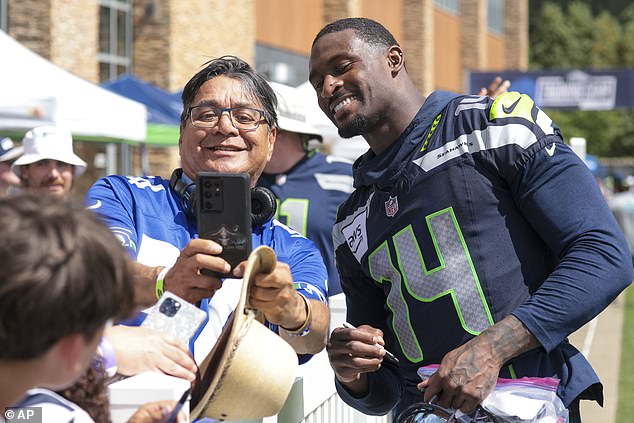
[[111, 159]]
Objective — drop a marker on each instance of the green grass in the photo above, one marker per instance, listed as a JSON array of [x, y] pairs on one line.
[[625, 411]]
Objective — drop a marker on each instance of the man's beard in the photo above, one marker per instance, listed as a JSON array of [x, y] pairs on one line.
[[358, 126]]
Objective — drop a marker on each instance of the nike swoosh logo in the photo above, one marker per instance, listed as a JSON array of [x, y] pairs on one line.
[[98, 204], [550, 150], [509, 110]]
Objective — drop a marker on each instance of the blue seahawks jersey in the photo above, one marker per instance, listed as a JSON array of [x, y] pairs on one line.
[[147, 217], [309, 194], [477, 211]]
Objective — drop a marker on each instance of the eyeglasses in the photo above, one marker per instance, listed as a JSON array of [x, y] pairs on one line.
[[245, 118]]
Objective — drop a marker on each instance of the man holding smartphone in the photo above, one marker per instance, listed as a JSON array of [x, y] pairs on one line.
[[228, 125]]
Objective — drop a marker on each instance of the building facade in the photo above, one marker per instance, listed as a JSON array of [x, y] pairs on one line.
[[166, 41]]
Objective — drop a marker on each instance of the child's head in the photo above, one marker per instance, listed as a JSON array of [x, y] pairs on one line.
[[63, 276]]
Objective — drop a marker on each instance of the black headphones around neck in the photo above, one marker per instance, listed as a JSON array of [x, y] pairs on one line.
[[263, 201]]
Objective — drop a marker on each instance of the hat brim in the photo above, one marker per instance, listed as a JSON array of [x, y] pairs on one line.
[[292, 125], [73, 159], [12, 154], [250, 371]]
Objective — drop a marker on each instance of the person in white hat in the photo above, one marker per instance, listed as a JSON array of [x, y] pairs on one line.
[[9, 152], [49, 162], [309, 185]]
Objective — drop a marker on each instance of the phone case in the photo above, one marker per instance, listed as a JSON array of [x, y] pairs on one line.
[[224, 213], [176, 317]]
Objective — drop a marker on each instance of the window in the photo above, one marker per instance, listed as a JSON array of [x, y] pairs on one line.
[[452, 6], [495, 16], [115, 38], [3, 15]]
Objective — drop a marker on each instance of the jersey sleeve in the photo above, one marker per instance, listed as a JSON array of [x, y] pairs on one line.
[[110, 199], [562, 201], [385, 386], [308, 270]]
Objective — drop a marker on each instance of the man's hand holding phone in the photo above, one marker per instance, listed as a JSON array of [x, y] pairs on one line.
[[186, 279]]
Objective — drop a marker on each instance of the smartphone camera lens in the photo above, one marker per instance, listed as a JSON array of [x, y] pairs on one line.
[[170, 307]]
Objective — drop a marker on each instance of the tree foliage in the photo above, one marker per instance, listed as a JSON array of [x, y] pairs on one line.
[[551, 39], [627, 48], [567, 35], [605, 42]]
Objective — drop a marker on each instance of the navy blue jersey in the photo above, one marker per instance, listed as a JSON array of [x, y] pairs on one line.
[[477, 211], [309, 194], [147, 217]]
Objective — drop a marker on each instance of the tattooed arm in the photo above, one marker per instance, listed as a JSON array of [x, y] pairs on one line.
[[468, 374]]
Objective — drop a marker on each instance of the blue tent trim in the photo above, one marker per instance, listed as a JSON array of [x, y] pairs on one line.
[[163, 107]]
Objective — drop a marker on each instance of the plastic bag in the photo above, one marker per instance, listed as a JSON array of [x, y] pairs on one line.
[[524, 400]]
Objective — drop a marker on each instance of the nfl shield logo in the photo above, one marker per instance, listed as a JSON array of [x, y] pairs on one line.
[[391, 206]]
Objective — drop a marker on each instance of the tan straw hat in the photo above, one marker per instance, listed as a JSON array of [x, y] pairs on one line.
[[250, 371]]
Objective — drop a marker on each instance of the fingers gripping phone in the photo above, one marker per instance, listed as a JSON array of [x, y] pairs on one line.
[[224, 214], [176, 317]]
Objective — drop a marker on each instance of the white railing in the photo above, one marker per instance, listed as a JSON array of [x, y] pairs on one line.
[[313, 398]]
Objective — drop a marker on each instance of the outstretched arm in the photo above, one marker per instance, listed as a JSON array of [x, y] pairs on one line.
[[140, 349]]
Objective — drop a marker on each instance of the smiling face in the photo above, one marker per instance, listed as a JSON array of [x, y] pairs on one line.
[[225, 148], [351, 78], [49, 175]]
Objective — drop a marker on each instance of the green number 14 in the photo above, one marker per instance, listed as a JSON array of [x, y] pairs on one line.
[[454, 276]]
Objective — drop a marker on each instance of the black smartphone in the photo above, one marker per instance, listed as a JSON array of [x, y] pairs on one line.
[[224, 213]]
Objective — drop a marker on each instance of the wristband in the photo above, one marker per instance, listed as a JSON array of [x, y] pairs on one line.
[[160, 281], [304, 329]]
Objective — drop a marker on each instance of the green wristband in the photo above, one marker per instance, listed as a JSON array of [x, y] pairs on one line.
[[160, 281]]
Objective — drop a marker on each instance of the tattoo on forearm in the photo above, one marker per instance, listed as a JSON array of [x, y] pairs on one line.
[[510, 338]]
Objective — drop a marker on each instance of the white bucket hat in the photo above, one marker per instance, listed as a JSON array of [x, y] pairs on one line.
[[8, 150], [250, 371], [49, 142], [291, 111]]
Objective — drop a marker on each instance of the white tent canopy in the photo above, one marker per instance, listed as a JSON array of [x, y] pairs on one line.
[[34, 92]]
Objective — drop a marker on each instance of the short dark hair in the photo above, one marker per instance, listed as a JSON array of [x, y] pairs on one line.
[[232, 67], [63, 272], [370, 31]]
